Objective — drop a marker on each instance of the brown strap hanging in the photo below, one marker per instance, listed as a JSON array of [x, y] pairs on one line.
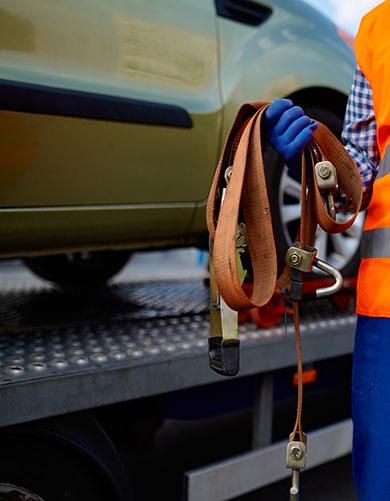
[[247, 192]]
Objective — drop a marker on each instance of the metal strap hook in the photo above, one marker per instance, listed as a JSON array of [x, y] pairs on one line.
[[304, 259], [334, 273]]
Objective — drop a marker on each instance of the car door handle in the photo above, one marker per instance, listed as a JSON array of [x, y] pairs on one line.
[[243, 11]]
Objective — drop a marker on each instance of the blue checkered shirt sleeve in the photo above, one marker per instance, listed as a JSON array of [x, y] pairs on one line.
[[359, 133]]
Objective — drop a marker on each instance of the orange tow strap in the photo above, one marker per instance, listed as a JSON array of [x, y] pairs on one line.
[[246, 198]]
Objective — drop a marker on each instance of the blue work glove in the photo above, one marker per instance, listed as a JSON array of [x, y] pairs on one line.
[[288, 130]]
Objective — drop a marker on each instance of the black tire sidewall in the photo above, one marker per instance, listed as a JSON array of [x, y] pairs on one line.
[[96, 270]]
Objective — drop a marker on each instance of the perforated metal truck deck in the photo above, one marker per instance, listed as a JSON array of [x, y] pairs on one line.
[[63, 352]]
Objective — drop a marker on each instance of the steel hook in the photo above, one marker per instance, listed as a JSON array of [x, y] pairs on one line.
[[333, 272]]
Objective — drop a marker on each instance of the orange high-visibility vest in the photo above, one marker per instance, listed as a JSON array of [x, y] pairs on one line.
[[372, 47]]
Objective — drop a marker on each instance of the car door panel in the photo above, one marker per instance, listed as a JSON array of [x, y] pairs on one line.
[[157, 58]]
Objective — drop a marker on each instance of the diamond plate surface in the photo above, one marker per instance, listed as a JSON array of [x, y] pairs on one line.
[[48, 333], [45, 332], [44, 307]]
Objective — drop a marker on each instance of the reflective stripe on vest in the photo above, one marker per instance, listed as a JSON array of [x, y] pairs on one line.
[[376, 244], [372, 46]]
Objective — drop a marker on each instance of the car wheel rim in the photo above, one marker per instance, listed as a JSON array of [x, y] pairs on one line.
[[336, 249]]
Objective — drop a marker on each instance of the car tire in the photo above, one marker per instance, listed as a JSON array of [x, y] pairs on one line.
[[340, 250], [79, 269]]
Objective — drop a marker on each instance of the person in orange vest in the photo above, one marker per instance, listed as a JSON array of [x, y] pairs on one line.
[[366, 135]]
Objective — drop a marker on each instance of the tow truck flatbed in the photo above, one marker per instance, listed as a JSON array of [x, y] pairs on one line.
[[131, 340]]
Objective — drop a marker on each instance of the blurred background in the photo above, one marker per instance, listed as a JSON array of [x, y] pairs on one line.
[[347, 13]]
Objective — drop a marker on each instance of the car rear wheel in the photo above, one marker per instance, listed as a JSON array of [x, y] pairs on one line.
[[80, 269], [339, 250]]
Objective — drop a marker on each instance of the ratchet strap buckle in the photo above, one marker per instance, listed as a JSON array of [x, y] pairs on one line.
[[224, 345]]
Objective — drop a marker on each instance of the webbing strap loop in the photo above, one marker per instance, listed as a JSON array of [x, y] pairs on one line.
[[247, 192]]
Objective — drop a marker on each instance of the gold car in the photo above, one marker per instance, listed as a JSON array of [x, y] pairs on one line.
[[113, 113]]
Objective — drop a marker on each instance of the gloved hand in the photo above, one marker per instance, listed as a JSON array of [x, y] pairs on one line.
[[288, 130]]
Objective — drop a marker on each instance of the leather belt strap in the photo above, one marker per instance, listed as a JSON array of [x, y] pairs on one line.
[[246, 194]]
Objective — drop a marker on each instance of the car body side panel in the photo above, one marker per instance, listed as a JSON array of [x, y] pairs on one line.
[[141, 50], [43, 231], [286, 54], [50, 161]]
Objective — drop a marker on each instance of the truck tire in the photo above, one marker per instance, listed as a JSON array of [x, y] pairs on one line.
[[341, 250], [79, 269], [63, 459]]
